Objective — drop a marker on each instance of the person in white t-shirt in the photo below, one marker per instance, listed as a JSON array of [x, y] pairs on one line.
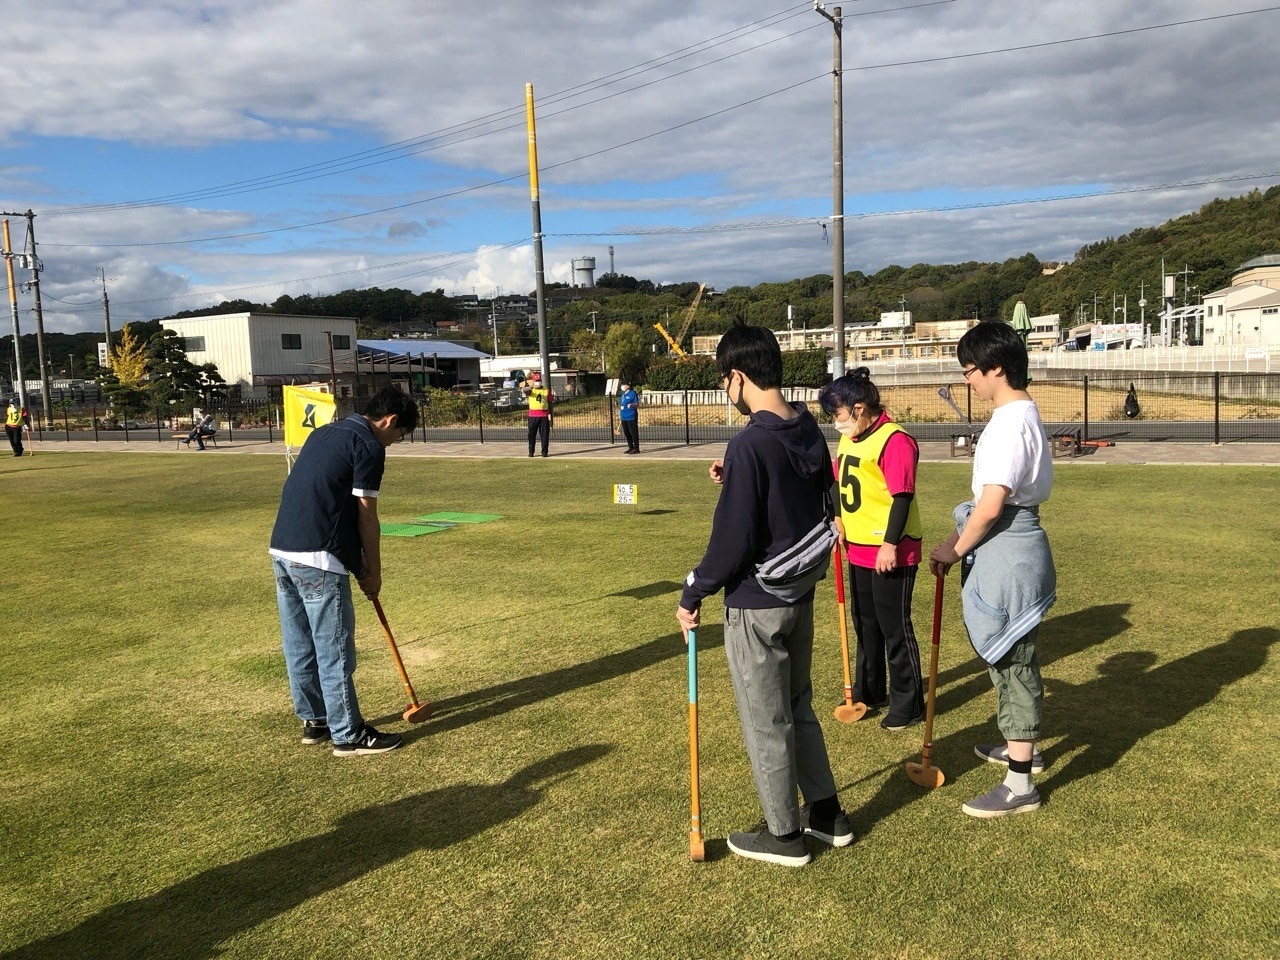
[[1007, 575]]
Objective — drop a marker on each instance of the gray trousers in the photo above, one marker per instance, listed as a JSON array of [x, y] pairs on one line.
[[769, 654]]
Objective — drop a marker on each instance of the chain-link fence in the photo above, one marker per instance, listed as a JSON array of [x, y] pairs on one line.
[[1178, 407]]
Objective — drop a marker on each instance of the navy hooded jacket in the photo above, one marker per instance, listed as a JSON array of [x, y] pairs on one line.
[[777, 474]]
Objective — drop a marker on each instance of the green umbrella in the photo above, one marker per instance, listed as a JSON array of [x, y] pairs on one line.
[[1021, 322]]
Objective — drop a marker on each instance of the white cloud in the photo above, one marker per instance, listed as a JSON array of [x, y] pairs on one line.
[[119, 99]]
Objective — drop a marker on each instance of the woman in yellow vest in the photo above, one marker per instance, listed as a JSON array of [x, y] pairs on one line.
[[540, 400], [875, 470], [14, 419]]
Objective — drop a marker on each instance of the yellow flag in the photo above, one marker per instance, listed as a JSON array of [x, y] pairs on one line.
[[304, 410]]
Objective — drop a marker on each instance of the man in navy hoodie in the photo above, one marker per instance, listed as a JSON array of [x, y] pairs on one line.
[[775, 480]]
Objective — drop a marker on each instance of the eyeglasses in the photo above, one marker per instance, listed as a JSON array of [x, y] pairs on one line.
[[402, 434], [969, 371]]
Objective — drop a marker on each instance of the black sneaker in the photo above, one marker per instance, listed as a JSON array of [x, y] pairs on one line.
[[895, 724], [837, 832], [314, 731], [369, 741], [760, 844]]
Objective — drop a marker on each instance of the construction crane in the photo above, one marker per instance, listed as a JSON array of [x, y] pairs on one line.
[[674, 342]]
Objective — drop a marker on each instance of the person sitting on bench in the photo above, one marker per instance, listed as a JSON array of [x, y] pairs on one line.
[[205, 426]]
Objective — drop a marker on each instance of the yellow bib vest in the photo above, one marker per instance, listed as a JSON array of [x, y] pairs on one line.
[[864, 498], [13, 417], [539, 399]]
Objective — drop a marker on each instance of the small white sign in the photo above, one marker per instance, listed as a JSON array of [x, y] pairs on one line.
[[626, 493], [102, 354]]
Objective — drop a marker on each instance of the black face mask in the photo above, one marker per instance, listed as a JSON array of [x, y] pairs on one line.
[[738, 405]]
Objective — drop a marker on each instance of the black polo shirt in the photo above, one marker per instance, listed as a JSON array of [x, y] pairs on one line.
[[339, 463]]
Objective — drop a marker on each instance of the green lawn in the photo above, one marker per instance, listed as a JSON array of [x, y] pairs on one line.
[[157, 802]]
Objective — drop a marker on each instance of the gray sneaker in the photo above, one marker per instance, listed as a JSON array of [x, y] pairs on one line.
[[999, 801], [760, 844], [837, 832], [998, 753]]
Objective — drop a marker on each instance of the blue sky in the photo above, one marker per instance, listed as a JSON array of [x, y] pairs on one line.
[[241, 149]]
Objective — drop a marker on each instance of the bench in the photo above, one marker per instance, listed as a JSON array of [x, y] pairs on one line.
[[962, 444], [209, 438]]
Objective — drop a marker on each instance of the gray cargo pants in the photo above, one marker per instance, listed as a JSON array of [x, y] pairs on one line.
[[769, 654]]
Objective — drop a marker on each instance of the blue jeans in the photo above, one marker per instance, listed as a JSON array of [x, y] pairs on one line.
[[318, 627]]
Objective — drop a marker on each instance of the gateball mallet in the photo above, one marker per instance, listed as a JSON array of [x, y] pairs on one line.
[[697, 848], [416, 712], [849, 711], [924, 773]]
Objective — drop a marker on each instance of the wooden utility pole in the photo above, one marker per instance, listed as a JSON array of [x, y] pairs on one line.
[[36, 266], [19, 381]]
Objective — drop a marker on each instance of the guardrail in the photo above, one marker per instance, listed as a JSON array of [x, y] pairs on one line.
[[1212, 407]]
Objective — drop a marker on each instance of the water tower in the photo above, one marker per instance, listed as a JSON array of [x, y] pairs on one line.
[[584, 271]]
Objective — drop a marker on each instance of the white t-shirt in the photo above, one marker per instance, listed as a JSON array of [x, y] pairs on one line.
[[1012, 452]]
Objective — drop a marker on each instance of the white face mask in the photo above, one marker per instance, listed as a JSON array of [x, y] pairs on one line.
[[846, 428]]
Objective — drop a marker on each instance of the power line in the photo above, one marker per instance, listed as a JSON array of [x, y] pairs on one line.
[[633, 141], [916, 211], [297, 174], [706, 229]]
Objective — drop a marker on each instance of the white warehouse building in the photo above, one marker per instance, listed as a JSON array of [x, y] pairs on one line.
[[260, 352]]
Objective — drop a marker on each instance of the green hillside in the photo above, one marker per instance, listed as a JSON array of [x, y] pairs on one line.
[[1213, 242]]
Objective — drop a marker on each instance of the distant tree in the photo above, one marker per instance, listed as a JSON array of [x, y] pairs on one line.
[[586, 350], [624, 351], [511, 338], [805, 368], [173, 380], [617, 281], [129, 360]]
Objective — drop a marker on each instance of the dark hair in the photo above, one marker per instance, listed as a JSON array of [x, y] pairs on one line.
[[389, 401], [854, 387], [752, 350], [991, 344]]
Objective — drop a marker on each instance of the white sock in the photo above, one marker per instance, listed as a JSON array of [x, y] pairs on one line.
[[1019, 784]]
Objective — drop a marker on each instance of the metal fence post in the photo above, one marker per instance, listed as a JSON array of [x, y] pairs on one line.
[[480, 415], [66, 424], [1086, 406], [94, 415], [612, 427], [1217, 398], [686, 416]]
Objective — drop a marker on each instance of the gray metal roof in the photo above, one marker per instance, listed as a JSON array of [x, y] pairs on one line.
[[445, 349], [1266, 260]]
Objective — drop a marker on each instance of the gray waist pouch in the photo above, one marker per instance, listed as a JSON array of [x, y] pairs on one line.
[[797, 570]]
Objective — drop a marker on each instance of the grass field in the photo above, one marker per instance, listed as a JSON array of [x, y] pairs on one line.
[[157, 802]]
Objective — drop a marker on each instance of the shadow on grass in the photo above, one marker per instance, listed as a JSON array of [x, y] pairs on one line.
[[192, 918], [643, 592], [459, 711], [1131, 699], [1100, 720], [1060, 637], [658, 588]]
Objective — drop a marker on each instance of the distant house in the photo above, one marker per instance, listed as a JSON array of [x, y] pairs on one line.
[[258, 353], [1247, 312]]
